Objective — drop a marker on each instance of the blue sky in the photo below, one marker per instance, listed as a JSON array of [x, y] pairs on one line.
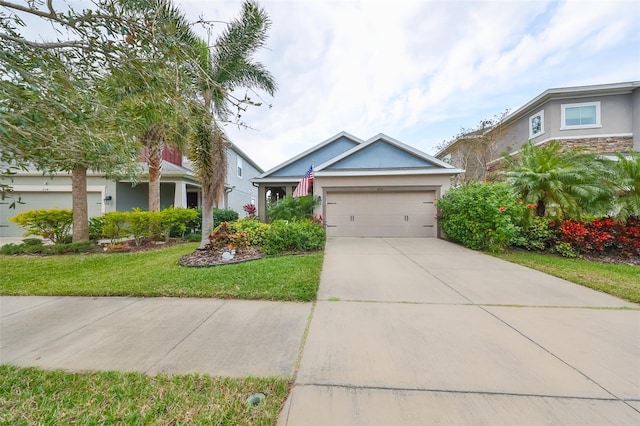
[[420, 71]]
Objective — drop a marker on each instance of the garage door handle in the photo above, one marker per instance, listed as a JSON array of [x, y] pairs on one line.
[[352, 218], [406, 218]]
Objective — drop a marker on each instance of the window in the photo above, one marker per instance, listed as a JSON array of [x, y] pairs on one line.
[[581, 116], [536, 125], [239, 166]]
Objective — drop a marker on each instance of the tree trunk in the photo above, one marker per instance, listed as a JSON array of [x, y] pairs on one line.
[[540, 210], [153, 141], [208, 200], [79, 203], [155, 167]]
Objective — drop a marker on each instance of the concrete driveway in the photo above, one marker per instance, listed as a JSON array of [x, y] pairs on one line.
[[421, 331]]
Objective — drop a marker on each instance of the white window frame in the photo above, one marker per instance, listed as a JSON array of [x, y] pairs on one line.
[[239, 166], [539, 114], [564, 107]]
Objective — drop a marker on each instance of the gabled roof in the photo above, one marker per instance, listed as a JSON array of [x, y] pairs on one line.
[[297, 166], [383, 154]]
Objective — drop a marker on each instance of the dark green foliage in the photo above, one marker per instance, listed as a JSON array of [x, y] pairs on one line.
[[290, 208], [224, 215], [95, 228], [303, 235], [32, 242], [536, 234], [32, 248], [481, 215], [54, 224], [564, 183]]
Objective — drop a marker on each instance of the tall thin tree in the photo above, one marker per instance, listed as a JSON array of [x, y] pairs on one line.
[[227, 66]]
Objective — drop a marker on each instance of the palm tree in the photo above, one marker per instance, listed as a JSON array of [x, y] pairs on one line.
[[563, 183], [227, 66], [627, 183], [154, 86]]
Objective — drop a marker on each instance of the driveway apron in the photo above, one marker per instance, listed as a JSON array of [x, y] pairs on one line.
[[422, 331]]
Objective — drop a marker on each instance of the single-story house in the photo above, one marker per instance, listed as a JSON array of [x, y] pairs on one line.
[[375, 188], [603, 118], [179, 187]]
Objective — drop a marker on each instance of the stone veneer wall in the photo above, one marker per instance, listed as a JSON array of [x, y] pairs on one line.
[[600, 145]]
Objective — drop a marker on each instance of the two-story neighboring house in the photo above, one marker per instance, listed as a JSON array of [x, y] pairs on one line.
[[179, 187], [601, 118]]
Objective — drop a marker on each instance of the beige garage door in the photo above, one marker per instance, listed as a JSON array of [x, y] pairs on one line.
[[41, 200], [380, 214]]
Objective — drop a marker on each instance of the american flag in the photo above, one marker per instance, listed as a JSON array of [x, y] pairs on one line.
[[303, 187]]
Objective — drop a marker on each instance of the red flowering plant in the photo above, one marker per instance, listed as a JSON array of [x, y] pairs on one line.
[[602, 235], [250, 209]]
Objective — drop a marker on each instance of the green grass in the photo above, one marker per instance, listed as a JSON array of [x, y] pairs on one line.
[[157, 273], [33, 396], [622, 281]]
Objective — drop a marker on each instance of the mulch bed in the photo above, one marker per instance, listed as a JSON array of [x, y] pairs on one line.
[[204, 258]]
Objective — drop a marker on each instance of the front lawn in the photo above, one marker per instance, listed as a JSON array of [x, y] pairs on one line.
[[622, 281], [157, 273], [34, 396]]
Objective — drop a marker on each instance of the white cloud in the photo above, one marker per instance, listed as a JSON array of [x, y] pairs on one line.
[[420, 70]]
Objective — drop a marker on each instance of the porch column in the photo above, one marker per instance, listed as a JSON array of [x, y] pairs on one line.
[[180, 195]]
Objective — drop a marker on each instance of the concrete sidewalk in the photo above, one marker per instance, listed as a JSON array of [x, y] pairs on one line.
[[421, 331], [233, 338]]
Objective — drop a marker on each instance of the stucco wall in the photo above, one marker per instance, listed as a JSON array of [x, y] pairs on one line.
[[242, 190]]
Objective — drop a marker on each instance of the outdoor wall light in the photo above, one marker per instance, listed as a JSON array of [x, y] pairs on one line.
[[107, 199], [319, 199]]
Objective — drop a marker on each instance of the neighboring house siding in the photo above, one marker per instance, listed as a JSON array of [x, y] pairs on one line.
[[616, 109], [635, 114], [239, 189]]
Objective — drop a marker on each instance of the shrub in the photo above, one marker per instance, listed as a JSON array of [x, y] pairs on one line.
[[481, 215], [536, 234], [220, 237], [250, 210], [12, 248], [603, 234], [95, 228], [224, 215], [115, 225], [283, 236], [54, 224], [32, 242], [175, 221], [139, 222], [290, 208], [253, 229]]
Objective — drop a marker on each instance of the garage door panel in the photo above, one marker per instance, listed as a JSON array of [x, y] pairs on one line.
[[42, 200], [381, 214]]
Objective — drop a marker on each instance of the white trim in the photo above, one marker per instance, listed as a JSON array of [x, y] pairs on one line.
[[239, 167], [563, 122], [434, 171], [541, 131]]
